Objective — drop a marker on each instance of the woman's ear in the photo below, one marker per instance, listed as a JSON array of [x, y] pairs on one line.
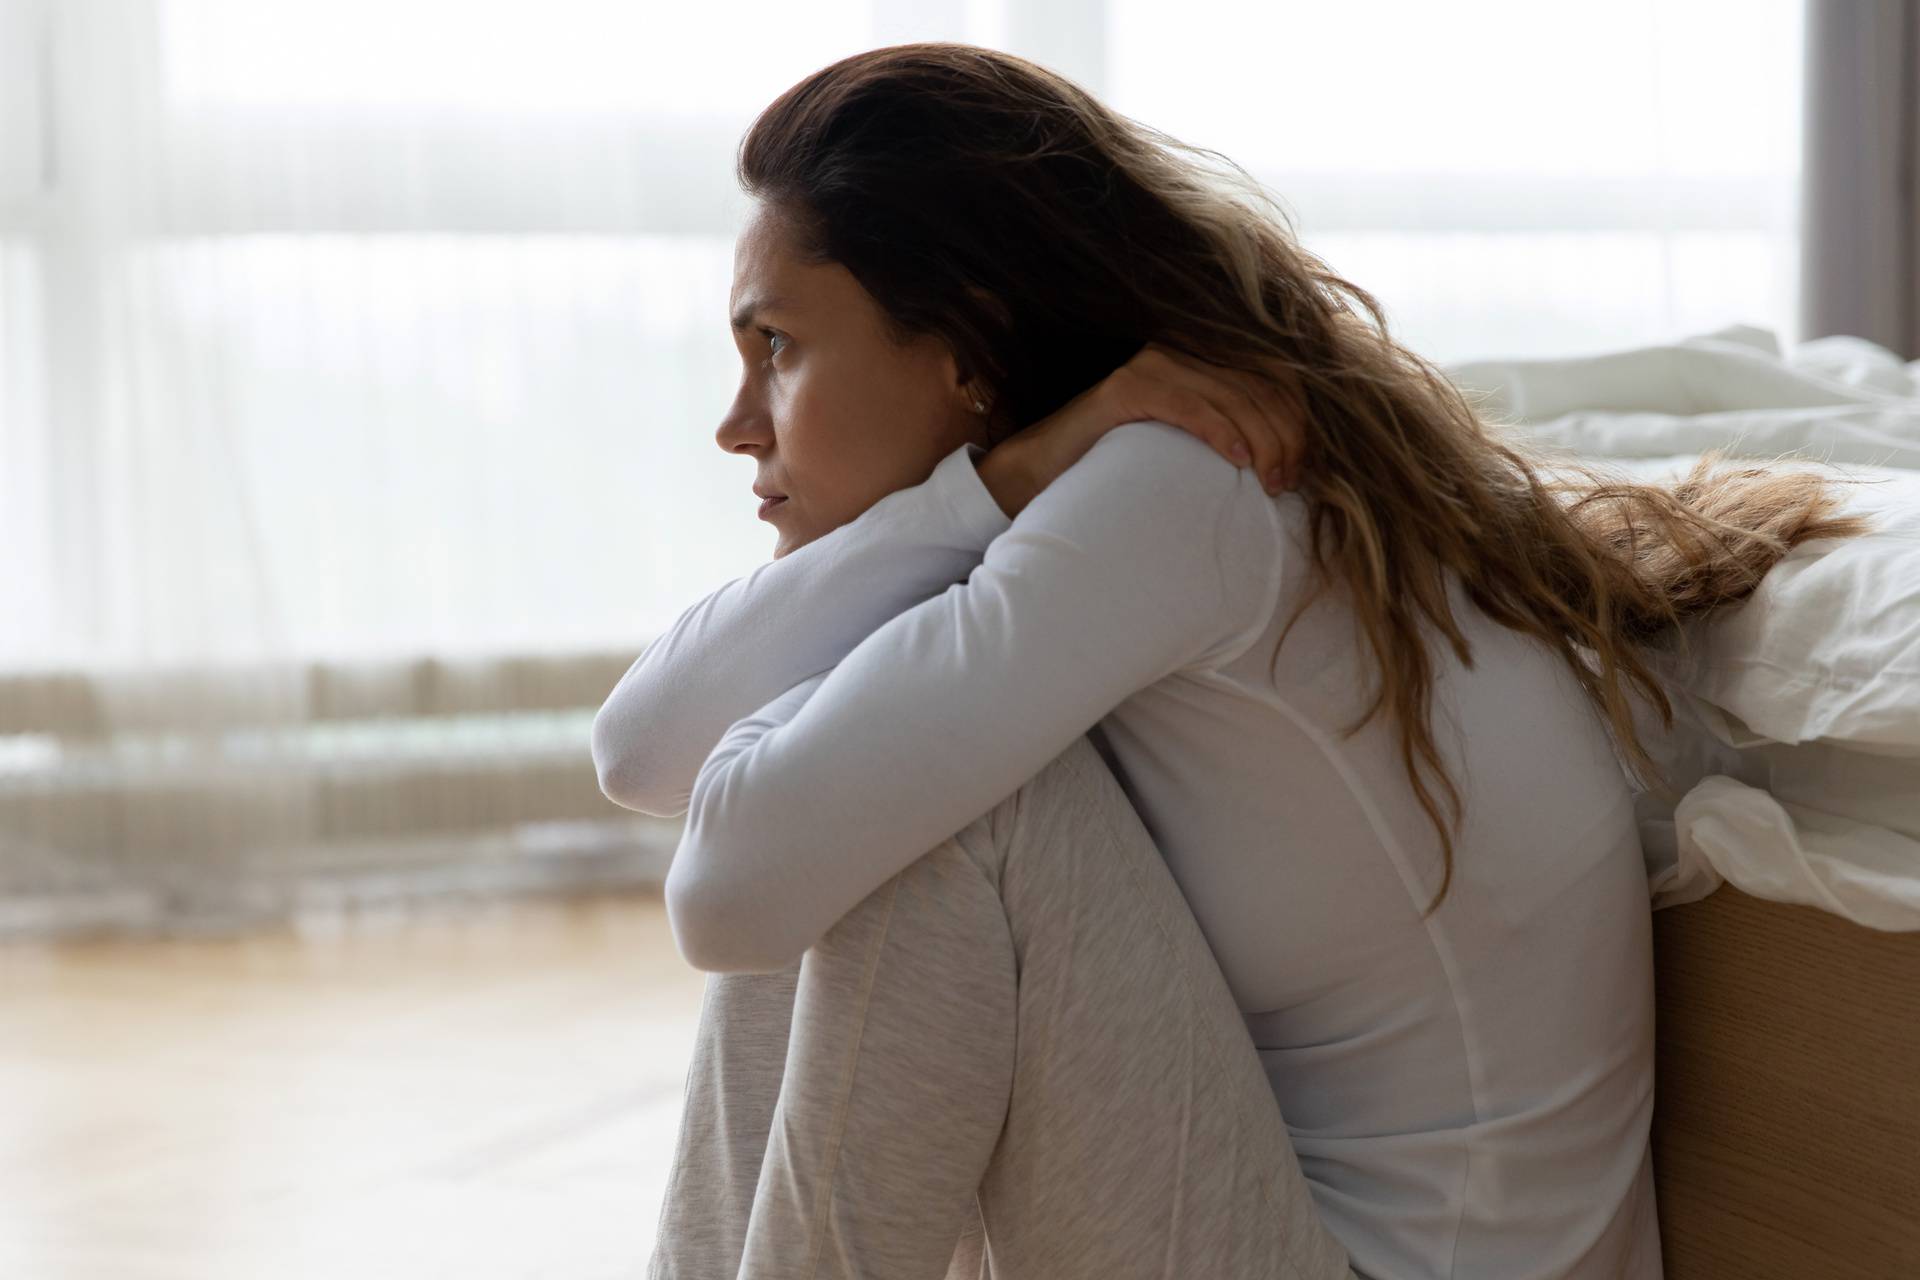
[[977, 395], [966, 389]]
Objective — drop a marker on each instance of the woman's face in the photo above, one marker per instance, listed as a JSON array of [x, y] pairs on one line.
[[834, 416]]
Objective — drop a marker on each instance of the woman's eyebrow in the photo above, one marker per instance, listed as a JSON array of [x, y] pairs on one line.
[[744, 314]]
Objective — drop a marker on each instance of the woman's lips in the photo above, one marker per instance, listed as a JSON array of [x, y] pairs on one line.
[[769, 504]]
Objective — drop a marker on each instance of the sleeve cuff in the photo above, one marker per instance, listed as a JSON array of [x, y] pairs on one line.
[[957, 480]]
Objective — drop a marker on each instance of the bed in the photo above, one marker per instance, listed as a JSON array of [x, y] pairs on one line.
[[1785, 880]]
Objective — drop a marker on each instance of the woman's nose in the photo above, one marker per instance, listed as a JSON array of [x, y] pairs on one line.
[[742, 428]]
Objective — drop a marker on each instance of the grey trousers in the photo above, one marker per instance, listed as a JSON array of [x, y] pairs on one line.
[[1017, 1059]]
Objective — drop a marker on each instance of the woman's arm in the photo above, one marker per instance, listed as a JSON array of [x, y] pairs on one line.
[[1150, 556], [792, 618], [801, 614]]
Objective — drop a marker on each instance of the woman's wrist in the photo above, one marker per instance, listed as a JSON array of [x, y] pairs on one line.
[[1010, 474]]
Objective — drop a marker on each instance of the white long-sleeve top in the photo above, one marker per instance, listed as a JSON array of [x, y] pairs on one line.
[[1469, 1095]]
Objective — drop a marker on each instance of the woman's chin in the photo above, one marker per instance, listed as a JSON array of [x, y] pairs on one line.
[[788, 539]]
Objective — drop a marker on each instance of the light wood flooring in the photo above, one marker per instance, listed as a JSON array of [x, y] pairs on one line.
[[489, 1093]]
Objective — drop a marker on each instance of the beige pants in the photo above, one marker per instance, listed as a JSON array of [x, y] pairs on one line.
[[1017, 1059]]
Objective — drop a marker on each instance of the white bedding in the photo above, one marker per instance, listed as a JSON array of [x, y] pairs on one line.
[[1796, 742]]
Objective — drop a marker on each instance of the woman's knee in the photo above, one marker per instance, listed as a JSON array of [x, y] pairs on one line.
[[1058, 795]]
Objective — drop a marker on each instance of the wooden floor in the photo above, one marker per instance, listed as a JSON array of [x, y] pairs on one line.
[[488, 1094]]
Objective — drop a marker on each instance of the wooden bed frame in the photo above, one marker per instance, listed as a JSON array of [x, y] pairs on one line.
[[1786, 1125]]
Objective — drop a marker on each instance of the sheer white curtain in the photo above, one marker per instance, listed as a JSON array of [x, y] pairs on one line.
[[357, 329], [1510, 178], [359, 362]]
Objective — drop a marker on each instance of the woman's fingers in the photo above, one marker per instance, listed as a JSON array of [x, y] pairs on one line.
[[1271, 448], [1172, 391], [1147, 386], [1241, 410], [1197, 413], [1277, 418], [1274, 471]]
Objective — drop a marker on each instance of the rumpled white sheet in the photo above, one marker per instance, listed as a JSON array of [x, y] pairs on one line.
[[1829, 824], [1817, 823]]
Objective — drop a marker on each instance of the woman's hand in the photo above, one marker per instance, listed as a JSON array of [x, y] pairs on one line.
[[1240, 416]]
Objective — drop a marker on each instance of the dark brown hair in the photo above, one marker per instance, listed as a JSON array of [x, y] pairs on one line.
[[1046, 238]]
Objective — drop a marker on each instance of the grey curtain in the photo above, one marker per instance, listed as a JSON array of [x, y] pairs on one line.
[[1860, 172]]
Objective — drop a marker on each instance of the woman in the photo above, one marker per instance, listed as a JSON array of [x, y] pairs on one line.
[[1031, 867]]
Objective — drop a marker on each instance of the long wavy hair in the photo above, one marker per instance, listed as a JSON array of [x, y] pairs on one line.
[[982, 198]]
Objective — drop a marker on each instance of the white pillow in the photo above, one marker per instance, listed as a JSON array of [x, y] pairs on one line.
[[1828, 645]]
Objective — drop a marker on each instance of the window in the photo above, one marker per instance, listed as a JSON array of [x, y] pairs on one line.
[[335, 329]]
